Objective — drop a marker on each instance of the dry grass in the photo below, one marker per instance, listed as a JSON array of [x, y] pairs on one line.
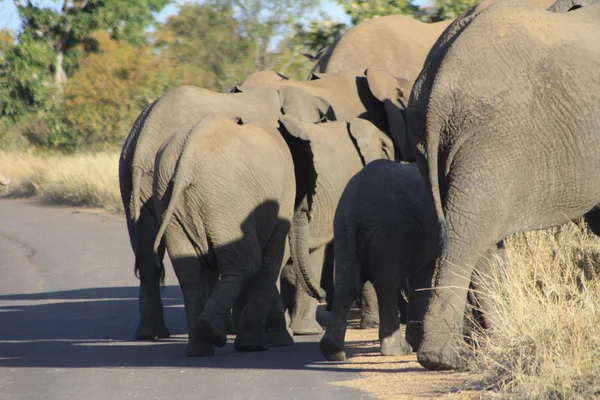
[[89, 180], [545, 343]]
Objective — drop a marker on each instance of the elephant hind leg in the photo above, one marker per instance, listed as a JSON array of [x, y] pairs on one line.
[[418, 299], [346, 284], [368, 307], [391, 340], [195, 281], [151, 324], [263, 321], [237, 261]]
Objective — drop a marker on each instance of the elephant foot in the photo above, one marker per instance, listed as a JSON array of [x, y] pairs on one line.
[[395, 345], [438, 358], [369, 322], [251, 342], [306, 326], [280, 339], [414, 335], [152, 330], [331, 350], [210, 333], [196, 349]]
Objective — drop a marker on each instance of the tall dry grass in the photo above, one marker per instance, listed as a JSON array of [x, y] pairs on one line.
[[545, 342], [89, 180]]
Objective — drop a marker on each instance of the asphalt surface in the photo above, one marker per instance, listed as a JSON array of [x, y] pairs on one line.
[[68, 312]]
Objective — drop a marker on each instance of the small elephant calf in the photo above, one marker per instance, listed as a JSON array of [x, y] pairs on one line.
[[385, 231]]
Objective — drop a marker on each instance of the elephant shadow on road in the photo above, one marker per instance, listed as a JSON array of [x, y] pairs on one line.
[[94, 327], [91, 328]]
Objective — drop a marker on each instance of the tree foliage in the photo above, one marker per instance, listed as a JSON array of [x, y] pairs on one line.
[[261, 21], [52, 41], [206, 43]]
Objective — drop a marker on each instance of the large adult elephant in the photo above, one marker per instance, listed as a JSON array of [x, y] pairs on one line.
[[397, 44], [176, 109], [385, 231], [505, 118], [226, 193], [336, 151]]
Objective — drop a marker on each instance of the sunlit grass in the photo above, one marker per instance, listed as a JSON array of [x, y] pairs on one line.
[[545, 343], [89, 180]]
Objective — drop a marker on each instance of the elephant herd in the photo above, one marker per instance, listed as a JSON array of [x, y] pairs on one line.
[[398, 165]]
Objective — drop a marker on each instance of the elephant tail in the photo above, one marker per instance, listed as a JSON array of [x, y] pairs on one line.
[[179, 183]]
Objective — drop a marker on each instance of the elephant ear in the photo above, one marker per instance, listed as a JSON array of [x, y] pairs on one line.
[[300, 146], [393, 92], [371, 143], [303, 105]]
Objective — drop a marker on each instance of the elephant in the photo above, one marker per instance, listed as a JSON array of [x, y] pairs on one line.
[[397, 44], [385, 230], [226, 195], [336, 151], [176, 109], [374, 95], [505, 121]]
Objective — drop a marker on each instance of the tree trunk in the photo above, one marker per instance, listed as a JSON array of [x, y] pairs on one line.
[[60, 77]]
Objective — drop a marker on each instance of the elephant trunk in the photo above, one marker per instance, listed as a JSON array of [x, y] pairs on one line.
[[299, 248]]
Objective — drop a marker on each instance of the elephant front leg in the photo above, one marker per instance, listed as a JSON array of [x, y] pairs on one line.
[[369, 307], [391, 339], [304, 314], [152, 324]]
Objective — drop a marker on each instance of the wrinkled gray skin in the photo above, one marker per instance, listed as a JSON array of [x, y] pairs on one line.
[[397, 44], [226, 193], [4, 181], [337, 151], [386, 231], [378, 97], [506, 137], [176, 109]]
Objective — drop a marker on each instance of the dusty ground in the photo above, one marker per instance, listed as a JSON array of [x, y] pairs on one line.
[[396, 377]]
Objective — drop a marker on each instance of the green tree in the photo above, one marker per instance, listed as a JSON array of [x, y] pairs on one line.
[[52, 41], [206, 43], [68, 30], [263, 21]]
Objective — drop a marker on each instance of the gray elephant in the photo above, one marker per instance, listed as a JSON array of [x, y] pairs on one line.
[[386, 231], [226, 194], [506, 137], [176, 109], [374, 95], [397, 44], [337, 150]]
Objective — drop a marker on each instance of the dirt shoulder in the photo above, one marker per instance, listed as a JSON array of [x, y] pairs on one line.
[[397, 377]]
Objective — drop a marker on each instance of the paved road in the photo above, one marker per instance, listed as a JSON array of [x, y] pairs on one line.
[[68, 311]]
